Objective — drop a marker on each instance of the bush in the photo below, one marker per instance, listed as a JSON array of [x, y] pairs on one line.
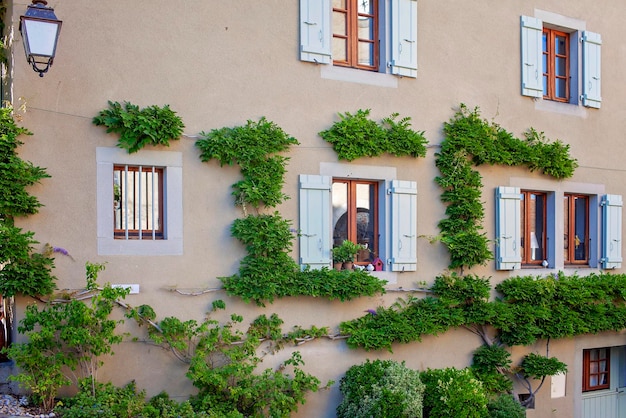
[[103, 400], [453, 393], [505, 406], [382, 388]]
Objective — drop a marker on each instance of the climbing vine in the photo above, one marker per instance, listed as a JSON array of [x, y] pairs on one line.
[[355, 136], [22, 269], [471, 141], [268, 271], [137, 127]]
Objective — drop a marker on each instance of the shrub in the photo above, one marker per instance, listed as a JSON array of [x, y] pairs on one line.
[[505, 406], [382, 388], [455, 393], [103, 400]]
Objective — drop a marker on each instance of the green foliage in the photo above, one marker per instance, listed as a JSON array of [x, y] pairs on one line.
[[15, 173], [252, 147], [223, 369], [263, 235], [535, 366], [105, 401], [403, 322], [490, 363], [505, 406], [560, 306], [471, 140], [152, 125], [346, 252], [24, 271], [382, 388], [355, 136], [266, 280], [71, 334], [453, 393]]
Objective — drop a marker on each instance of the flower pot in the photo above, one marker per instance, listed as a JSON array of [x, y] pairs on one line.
[[337, 265], [348, 265]]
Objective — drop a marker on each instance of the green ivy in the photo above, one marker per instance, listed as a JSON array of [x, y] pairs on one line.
[[471, 141], [22, 269], [252, 147], [152, 125], [355, 136], [268, 271]]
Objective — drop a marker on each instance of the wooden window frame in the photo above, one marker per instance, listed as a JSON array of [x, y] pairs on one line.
[[526, 228], [570, 236], [550, 72], [351, 37], [587, 369], [154, 233], [351, 212]]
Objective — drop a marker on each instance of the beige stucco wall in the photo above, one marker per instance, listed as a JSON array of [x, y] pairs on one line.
[[220, 63]]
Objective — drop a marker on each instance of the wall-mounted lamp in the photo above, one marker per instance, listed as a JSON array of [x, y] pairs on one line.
[[40, 32]]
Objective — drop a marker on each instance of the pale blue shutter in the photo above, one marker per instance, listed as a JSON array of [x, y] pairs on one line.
[[404, 38], [403, 226], [315, 223], [532, 56], [592, 44], [315, 33], [508, 223], [611, 231]]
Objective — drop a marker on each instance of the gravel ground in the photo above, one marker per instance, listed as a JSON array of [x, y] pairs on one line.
[[10, 407]]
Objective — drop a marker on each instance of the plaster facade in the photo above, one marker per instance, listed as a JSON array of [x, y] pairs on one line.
[[219, 64]]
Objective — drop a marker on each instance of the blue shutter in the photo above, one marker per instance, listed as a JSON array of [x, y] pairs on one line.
[[403, 225], [508, 221], [404, 38], [315, 223], [315, 33], [592, 44], [611, 231], [532, 56]]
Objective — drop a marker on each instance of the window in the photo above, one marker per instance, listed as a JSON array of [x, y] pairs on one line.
[[378, 213], [533, 227], [138, 202], [355, 216], [530, 229], [559, 62], [355, 33], [576, 229], [374, 35], [596, 369], [556, 61]]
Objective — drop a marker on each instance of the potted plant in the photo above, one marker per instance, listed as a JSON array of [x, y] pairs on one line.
[[346, 253]]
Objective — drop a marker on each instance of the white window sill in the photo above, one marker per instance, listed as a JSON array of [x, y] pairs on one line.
[[353, 75]]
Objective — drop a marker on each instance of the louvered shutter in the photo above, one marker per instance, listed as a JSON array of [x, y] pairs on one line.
[[508, 240], [532, 60], [404, 38], [611, 231], [315, 221], [592, 43], [315, 33], [403, 226]]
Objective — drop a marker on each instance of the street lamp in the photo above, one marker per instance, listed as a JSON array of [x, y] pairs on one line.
[[40, 32]]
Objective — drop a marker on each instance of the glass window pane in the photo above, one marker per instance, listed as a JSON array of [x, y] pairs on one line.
[[340, 25], [580, 228], [560, 45], [536, 222], [340, 213], [561, 88], [566, 229], [366, 6], [339, 4], [366, 28], [522, 224], [366, 53], [340, 49], [560, 66]]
